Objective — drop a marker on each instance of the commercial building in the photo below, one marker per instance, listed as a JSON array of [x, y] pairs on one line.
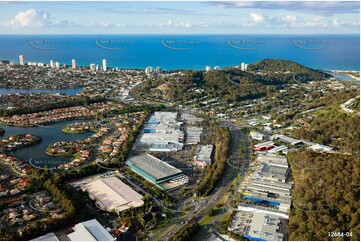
[[258, 135], [194, 134], [258, 225], [268, 183], [57, 65], [73, 63], [21, 60], [149, 70], [157, 171], [52, 65], [191, 119], [92, 67], [158, 70], [203, 157], [279, 149], [321, 148], [111, 194], [47, 237], [244, 66], [162, 133], [286, 139], [104, 65], [90, 230], [264, 146], [208, 68]]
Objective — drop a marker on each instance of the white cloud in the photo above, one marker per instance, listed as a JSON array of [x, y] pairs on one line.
[[256, 17], [31, 18], [317, 21], [339, 23], [289, 19]]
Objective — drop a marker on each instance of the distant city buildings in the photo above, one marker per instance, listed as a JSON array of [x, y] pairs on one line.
[[52, 65], [217, 68], [92, 67], [73, 63], [158, 70], [57, 65], [104, 65], [149, 70], [244, 66], [21, 60], [208, 68]]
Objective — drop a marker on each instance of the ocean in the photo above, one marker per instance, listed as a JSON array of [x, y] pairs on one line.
[[170, 52]]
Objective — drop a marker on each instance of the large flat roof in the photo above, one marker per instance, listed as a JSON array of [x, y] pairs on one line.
[[153, 166], [90, 230], [111, 193], [47, 237]]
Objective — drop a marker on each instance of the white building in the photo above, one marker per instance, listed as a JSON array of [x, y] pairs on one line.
[[92, 67], [208, 68], [111, 194], [149, 70], [104, 65], [158, 70], [57, 65], [21, 60], [90, 230], [203, 157], [52, 65], [73, 63]]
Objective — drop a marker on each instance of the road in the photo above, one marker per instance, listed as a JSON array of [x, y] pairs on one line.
[[200, 207]]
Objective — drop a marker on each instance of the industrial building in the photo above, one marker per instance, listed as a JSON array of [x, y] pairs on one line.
[[204, 156], [90, 230], [268, 183], [264, 146], [258, 225], [286, 139], [157, 171], [111, 194], [258, 135], [47, 237], [162, 133], [193, 135], [191, 119], [321, 148]]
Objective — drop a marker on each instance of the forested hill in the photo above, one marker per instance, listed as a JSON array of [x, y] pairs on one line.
[[231, 84], [286, 70]]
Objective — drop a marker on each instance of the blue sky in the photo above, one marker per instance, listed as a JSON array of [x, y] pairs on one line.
[[216, 17]]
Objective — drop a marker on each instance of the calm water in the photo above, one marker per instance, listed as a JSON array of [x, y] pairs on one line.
[[70, 91], [328, 52], [50, 134]]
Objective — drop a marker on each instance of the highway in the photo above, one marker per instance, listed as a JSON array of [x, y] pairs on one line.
[[200, 207]]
